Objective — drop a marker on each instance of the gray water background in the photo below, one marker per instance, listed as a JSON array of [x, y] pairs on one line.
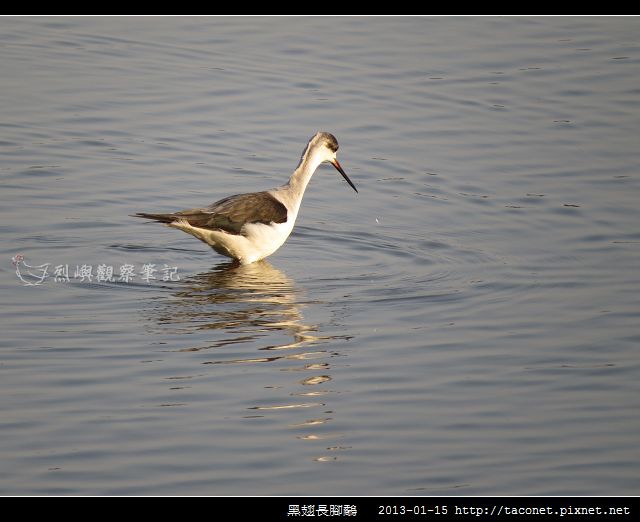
[[469, 323]]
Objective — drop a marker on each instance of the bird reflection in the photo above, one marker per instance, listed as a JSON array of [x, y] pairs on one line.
[[252, 314], [248, 301]]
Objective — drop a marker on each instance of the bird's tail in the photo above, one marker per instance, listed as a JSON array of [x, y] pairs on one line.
[[162, 218]]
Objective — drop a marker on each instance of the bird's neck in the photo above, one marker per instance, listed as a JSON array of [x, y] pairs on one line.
[[300, 178]]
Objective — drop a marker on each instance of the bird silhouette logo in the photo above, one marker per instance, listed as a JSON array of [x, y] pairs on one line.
[[30, 275]]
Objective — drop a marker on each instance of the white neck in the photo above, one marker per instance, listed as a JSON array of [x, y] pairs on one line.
[[310, 161]]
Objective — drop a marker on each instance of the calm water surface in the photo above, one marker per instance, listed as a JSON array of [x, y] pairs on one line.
[[469, 323]]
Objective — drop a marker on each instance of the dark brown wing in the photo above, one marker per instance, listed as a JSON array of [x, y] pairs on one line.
[[230, 214]]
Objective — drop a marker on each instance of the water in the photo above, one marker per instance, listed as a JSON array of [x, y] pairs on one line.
[[466, 324]]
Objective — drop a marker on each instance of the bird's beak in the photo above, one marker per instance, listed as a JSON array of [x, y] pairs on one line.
[[336, 164]]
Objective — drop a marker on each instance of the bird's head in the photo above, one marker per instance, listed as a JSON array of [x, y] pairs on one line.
[[325, 146]]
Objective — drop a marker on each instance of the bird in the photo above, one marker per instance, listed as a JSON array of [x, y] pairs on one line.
[[28, 277], [250, 227]]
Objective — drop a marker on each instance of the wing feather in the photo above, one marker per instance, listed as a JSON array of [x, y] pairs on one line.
[[232, 213]]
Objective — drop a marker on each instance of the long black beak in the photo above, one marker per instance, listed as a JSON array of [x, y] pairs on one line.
[[344, 175]]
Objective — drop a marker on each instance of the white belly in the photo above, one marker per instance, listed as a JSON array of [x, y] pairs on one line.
[[264, 240], [257, 241]]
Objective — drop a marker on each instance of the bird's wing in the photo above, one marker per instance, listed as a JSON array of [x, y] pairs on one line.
[[232, 213]]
